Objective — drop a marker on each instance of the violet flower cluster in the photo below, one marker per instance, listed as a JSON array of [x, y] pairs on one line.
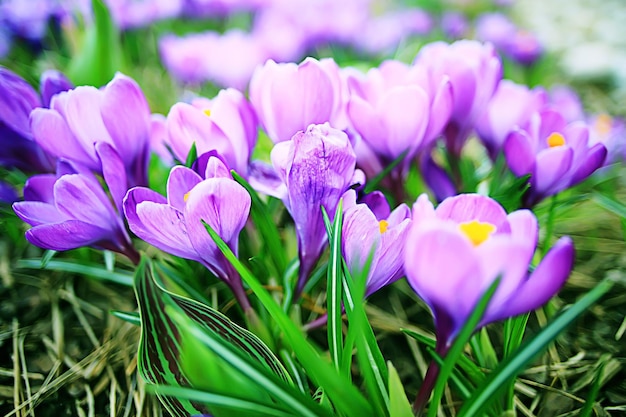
[[332, 130], [284, 30]]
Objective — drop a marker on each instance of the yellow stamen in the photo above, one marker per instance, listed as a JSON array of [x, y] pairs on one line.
[[555, 139], [382, 226], [477, 231], [207, 112], [186, 197], [603, 124]]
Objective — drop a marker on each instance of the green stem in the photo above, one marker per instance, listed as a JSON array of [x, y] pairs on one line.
[[549, 226]]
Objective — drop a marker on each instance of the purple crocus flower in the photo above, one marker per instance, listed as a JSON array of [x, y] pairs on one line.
[[117, 114], [71, 209], [316, 168], [52, 83], [455, 252], [519, 45], [567, 101], [288, 97], [382, 34], [138, 13], [395, 109], [474, 71], [511, 106], [226, 124], [227, 59], [454, 24], [364, 230], [17, 146], [557, 155], [174, 224]]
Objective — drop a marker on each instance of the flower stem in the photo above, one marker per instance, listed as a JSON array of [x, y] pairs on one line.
[[423, 395]]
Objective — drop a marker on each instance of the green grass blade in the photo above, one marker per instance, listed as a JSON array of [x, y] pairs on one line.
[[192, 155], [178, 334], [100, 54], [287, 397], [344, 396], [399, 405], [371, 361], [274, 248], [236, 405], [456, 349], [94, 271], [610, 204], [333, 288], [593, 393], [513, 365], [129, 316]]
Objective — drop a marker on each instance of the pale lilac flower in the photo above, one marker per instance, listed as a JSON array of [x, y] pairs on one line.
[[227, 59], [138, 13], [455, 252], [383, 34], [395, 109], [365, 232], [288, 97], [17, 99], [226, 124], [474, 71], [118, 114], [517, 44], [566, 100], [510, 107], [316, 167], [555, 154], [71, 209], [175, 224], [454, 24]]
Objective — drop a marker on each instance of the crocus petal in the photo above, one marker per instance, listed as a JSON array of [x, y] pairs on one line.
[[519, 154], [544, 282], [114, 173], [37, 212], [440, 110], [126, 116], [524, 226], [426, 250], [264, 179], [468, 207], [552, 166], [70, 234], [40, 188], [593, 160], [361, 236], [52, 83], [81, 109], [163, 227], [505, 258], [179, 184], [53, 134], [222, 204], [187, 125], [79, 198]]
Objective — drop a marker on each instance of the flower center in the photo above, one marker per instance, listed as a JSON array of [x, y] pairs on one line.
[[555, 139], [477, 231], [382, 226], [186, 196], [207, 112]]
